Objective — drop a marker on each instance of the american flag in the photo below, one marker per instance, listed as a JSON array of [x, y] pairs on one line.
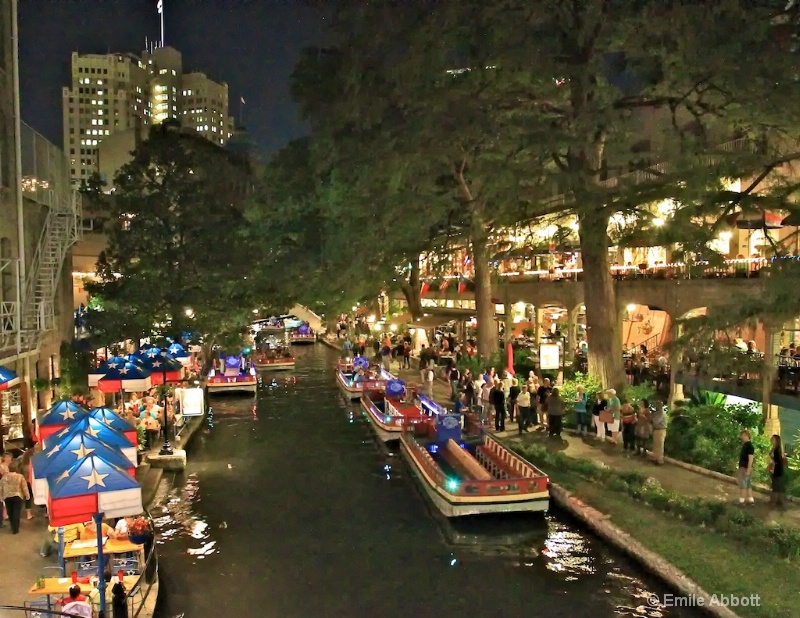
[[242, 100], [160, 6]]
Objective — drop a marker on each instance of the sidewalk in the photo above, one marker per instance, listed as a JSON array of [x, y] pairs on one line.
[[22, 564]]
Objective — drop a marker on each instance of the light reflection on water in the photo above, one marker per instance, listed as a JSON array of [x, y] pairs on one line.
[[231, 517]]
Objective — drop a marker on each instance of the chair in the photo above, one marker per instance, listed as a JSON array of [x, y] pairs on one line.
[[38, 608]]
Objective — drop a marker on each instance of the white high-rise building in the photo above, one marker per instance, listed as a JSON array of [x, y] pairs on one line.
[[112, 93]]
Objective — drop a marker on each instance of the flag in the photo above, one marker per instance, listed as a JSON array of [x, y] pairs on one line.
[[462, 285], [444, 285], [425, 288], [242, 100], [160, 6]]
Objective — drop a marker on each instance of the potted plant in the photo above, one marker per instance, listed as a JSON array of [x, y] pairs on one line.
[[40, 384], [139, 531]]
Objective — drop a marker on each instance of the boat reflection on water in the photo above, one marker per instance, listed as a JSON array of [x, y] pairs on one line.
[[553, 544], [179, 519]]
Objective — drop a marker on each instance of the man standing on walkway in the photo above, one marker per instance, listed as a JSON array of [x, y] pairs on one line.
[[746, 457], [499, 402], [455, 380]]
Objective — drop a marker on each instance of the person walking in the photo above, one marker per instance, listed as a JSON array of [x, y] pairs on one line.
[[643, 427], [423, 366], [429, 378], [628, 420], [14, 493], [581, 415], [486, 401], [499, 403], [406, 355], [614, 406], [513, 394], [745, 472], [599, 406], [454, 375], [658, 421], [777, 472], [555, 413], [523, 410], [542, 393]]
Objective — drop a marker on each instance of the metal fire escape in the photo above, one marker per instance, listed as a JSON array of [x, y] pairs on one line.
[[61, 230], [52, 219]]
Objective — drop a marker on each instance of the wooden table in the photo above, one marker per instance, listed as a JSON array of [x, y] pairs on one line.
[[53, 586], [112, 546]]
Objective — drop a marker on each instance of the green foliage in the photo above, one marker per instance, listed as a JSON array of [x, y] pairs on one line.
[[176, 256], [635, 393], [570, 388], [74, 367], [709, 436], [716, 515]]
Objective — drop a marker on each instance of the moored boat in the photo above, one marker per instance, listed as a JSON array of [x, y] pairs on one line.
[[302, 335], [390, 411], [272, 354], [236, 375], [471, 476], [355, 377]]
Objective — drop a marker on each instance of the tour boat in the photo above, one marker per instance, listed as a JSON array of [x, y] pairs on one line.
[[390, 412], [356, 377], [235, 376], [471, 476], [278, 361], [303, 334]]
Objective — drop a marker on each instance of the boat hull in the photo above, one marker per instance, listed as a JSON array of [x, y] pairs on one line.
[[229, 388], [355, 391], [276, 366], [387, 427], [459, 505], [303, 340]]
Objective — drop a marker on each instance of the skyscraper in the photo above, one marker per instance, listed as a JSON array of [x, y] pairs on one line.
[[112, 93]]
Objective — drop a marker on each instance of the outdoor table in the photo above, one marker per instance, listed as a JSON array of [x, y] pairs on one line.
[[112, 546], [53, 586]]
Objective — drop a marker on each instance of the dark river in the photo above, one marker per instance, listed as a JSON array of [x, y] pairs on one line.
[[290, 509]]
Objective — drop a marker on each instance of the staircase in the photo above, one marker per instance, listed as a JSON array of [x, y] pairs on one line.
[[62, 229]]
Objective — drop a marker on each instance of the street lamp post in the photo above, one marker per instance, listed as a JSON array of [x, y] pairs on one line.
[[166, 449]]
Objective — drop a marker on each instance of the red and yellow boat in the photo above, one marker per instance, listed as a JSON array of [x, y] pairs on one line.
[[390, 412], [277, 359], [474, 475], [355, 377]]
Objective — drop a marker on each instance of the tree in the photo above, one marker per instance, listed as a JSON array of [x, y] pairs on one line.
[[176, 255]]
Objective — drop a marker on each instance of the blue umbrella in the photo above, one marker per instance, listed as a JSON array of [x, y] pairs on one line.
[[7, 378], [98, 374], [176, 349], [65, 452], [63, 412]]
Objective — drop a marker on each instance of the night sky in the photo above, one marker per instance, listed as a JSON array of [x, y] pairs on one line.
[[250, 44]]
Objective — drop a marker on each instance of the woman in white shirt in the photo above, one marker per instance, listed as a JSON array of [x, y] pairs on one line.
[[523, 410]]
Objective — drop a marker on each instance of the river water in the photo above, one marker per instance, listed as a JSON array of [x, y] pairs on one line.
[[290, 509]]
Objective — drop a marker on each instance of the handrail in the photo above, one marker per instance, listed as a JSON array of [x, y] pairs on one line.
[[148, 576]]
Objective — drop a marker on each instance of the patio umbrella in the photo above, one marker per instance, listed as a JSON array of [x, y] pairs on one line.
[[98, 374], [110, 418], [65, 452], [61, 414], [93, 488], [510, 360], [8, 378], [129, 377], [177, 351], [163, 368], [98, 429]]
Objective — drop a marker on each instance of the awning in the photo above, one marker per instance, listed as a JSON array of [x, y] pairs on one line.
[[792, 220]]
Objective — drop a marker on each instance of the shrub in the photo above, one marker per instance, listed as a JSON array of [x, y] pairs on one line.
[[708, 435]]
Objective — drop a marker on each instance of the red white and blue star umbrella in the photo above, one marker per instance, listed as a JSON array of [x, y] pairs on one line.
[[8, 378], [98, 374], [176, 351], [92, 485], [128, 377], [97, 429], [163, 366], [113, 420], [62, 413], [64, 453]]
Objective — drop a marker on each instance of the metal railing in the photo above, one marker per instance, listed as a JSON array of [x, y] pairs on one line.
[[45, 169]]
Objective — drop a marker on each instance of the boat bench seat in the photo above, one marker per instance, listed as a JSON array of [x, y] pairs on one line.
[[467, 462]]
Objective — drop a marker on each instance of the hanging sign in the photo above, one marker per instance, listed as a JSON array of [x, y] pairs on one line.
[[549, 356]]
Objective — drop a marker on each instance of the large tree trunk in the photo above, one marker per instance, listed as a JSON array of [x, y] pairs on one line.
[[602, 315], [412, 291], [484, 307]]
